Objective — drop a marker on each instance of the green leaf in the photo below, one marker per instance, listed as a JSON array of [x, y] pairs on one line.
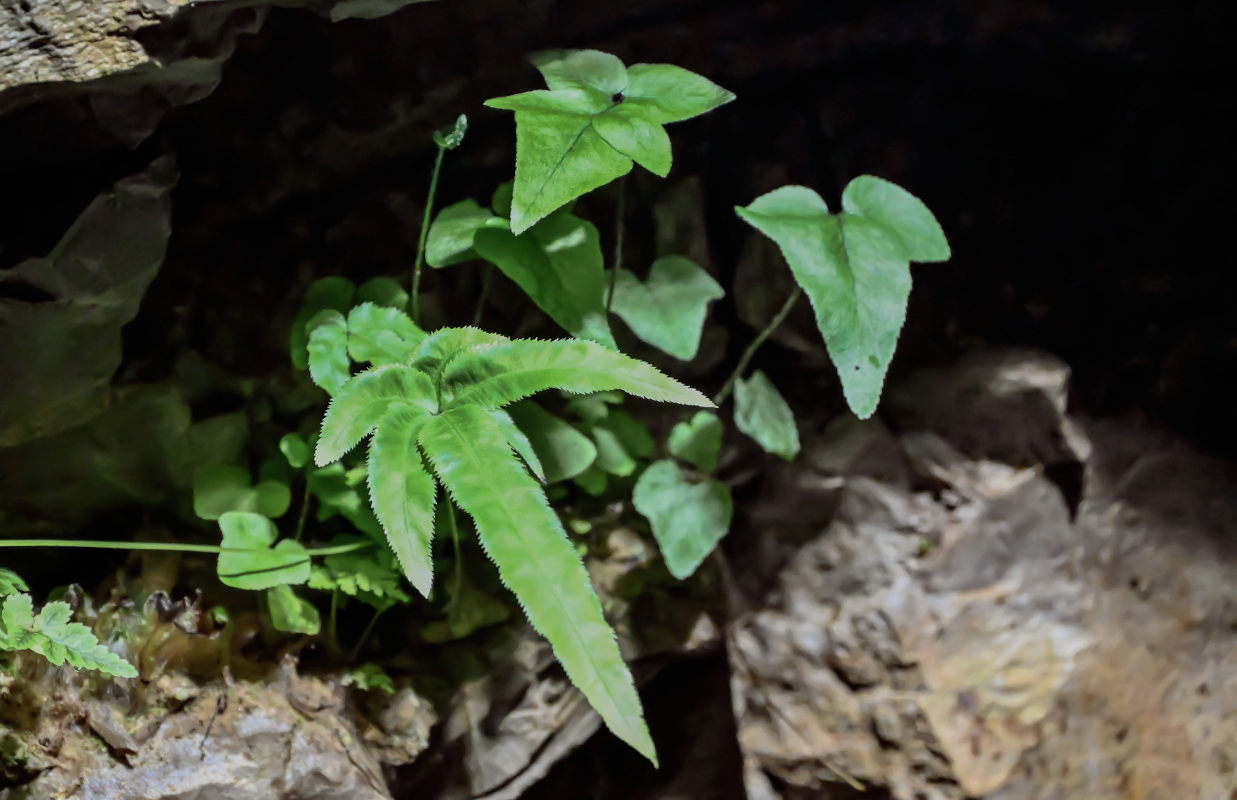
[[11, 583], [331, 293], [558, 264], [668, 309], [620, 440], [698, 442], [403, 493], [369, 575], [382, 291], [251, 562], [761, 413], [596, 118], [519, 442], [339, 492], [688, 519], [370, 677], [445, 344], [219, 488], [328, 351], [362, 402], [667, 93], [853, 267], [592, 480], [498, 374], [52, 635], [295, 449], [526, 540], [381, 335], [450, 238], [292, 613], [563, 451]]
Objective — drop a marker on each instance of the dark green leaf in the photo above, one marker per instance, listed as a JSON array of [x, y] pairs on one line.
[[761, 413]]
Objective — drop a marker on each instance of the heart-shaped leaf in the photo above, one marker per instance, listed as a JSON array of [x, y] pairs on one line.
[[221, 488], [688, 519], [853, 267], [698, 442], [249, 561], [761, 413], [668, 309], [596, 118]]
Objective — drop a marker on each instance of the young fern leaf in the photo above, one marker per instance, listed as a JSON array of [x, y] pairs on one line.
[[445, 343], [403, 493], [362, 402], [381, 335], [495, 375], [52, 635], [328, 351], [515, 524], [519, 442]]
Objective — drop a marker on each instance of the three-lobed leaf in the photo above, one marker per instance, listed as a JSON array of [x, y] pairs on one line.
[[854, 268], [596, 118], [667, 309], [762, 413], [526, 540], [219, 488], [688, 518]]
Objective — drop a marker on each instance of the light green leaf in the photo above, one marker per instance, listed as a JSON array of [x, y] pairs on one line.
[[251, 562], [526, 540], [382, 291], [667, 93], [593, 121], [403, 493], [370, 677], [519, 442], [761, 413], [558, 264], [11, 583], [219, 488], [498, 374], [329, 366], [668, 309], [563, 450], [332, 293], [688, 519], [368, 575], [581, 69], [697, 442], [853, 267], [292, 613], [450, 238], [446, 343], [295, 449], [54, 636], [381, 335], [362, 402], [620, 440]]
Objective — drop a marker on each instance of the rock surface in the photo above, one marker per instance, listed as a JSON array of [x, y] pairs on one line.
[[967, 638]]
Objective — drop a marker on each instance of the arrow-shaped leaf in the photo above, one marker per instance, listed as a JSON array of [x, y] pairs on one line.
[[668, 309], [853, 267], [688, 519]]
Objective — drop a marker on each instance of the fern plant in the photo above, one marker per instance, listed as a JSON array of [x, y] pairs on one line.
[[438, 421], [53, 635]]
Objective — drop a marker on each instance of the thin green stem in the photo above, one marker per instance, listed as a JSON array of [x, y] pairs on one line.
[[369, 628], [459, 562], [746, 358], [414, 297], [332, 628], [304, 515], [487, 279], [171, 547], [619, 213]]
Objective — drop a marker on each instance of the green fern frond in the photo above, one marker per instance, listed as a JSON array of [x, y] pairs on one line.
[[363, 401], [52, 635], [403, 493]]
